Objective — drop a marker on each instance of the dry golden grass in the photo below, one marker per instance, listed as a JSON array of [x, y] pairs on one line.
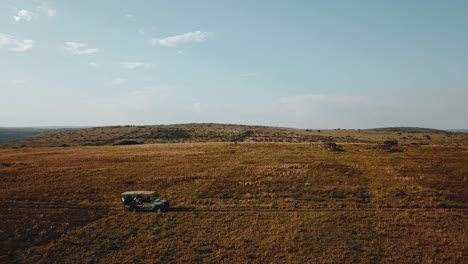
[[236, 203]]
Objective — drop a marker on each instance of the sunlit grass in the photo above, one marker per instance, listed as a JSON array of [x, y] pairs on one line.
[[247, 202]]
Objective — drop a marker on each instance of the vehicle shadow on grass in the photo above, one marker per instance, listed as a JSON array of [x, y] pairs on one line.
[[172, 209]]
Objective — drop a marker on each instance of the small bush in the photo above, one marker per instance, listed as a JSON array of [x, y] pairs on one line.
[[332, 146], [393, 149], [391, 142], [129, 142]]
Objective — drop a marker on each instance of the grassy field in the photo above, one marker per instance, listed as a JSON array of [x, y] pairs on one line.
[[239, 203]]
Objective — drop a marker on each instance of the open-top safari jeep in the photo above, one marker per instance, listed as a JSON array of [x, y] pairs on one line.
[[143, 201]]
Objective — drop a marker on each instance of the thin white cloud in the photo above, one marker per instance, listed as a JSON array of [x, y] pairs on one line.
[[126, 107], [141, 31], [326, 99], [46, 10], [249, 74], [51, 12], [18, 82], [94, 65], [130, 17], [135, 65], [190, 37], [79, 48], [326, 110], [199, 107], [14, 44], [26, 15], [119, 81], [23, 15]]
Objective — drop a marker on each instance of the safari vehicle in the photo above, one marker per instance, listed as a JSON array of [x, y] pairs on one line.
[[134, 201]]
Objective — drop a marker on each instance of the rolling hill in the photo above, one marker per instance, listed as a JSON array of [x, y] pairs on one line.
[[15, 133], [190, 133], [411, 130]]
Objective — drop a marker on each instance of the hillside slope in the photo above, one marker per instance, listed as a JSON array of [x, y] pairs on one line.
[[411, 130], [15, 133], [185, 133]]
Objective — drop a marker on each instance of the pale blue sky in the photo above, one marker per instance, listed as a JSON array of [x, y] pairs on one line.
[[306, 64]]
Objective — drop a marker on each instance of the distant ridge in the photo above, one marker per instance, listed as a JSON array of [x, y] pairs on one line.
[[458, 130], [410, 130], [177, 133], [212, 132], [8, 134]]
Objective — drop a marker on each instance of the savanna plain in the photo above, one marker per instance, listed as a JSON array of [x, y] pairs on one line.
[[386, 196]]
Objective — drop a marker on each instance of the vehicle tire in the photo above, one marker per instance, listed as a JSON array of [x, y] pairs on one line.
[[157, 209], [133, 209]]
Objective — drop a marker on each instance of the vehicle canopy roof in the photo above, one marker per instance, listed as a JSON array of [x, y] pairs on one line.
[[133, 193]]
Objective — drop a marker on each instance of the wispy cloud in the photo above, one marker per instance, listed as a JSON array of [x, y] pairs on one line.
[[248, 74], [44, 8], [326, 99], [141, 31], [18, 82], [319, 110], [190, 37], [94, 65], [119, 81], [23, 15], [79, 48], [130, 17], [126, 107], [199, 107], [135, 65], [26, 15], [14, 44]]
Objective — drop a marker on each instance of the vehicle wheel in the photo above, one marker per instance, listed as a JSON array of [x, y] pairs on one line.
[[157, 209], [133, 209]]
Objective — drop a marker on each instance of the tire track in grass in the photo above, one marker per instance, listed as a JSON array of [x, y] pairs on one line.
[[239, 209]]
